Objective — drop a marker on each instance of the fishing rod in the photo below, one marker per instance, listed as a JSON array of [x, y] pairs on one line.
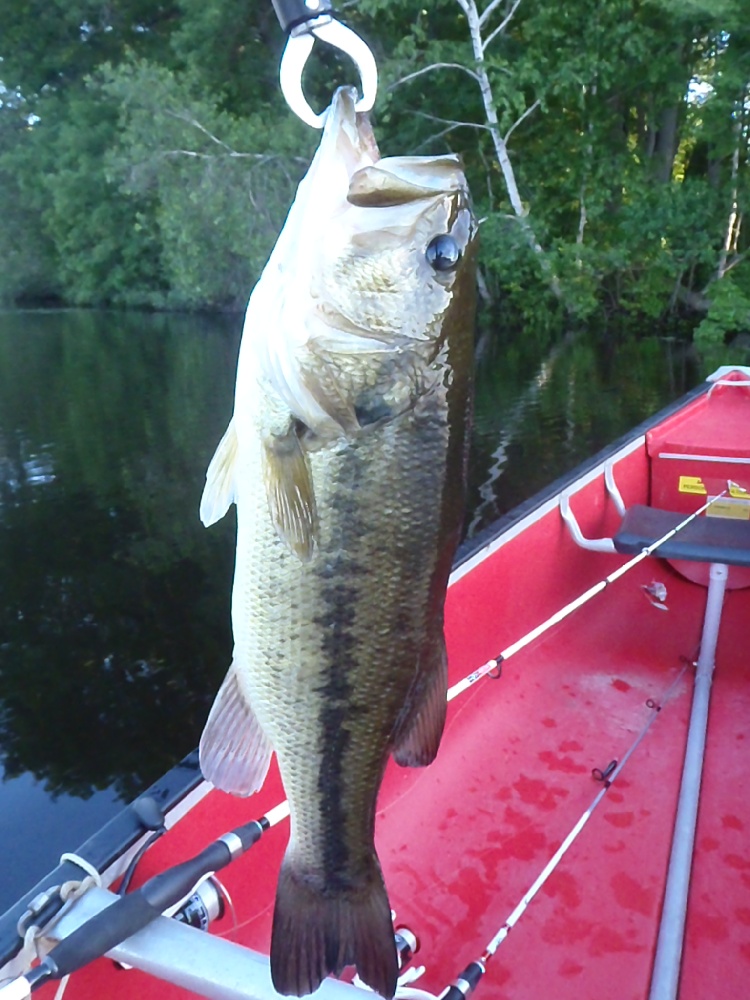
[[131, 913], [578, 602], [136, 910], [467, 981]]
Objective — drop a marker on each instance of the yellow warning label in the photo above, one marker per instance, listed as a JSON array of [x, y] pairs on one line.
[[729, 508], [692, 484]]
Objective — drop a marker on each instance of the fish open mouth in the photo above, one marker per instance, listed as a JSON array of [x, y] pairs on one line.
[[349, 132], [375, 182]]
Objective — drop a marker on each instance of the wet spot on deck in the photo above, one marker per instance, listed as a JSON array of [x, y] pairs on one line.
[[527, 842], [743, 915], [732, 823], [632, 895], [498, 975], [736, 861], [607, 941], [569, 969], [564, 929], [616, 797], [714, 928], [564, 888], [557, 763], [569, 746], [535, 792], [745, 951], [614, 846], [549, 723], [621, 685], [471, 888], [709, 843], [621, 820]]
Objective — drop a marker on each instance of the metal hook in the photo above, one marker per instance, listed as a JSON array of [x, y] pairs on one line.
[[306, 20]]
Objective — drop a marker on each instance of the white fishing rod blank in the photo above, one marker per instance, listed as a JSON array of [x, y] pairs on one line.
[[464, 984], [576, 603]]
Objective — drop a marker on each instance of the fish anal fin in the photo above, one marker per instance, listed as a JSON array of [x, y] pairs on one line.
[[234, 751], [418, 733], [319, 929], [290, 492], [218, 493]]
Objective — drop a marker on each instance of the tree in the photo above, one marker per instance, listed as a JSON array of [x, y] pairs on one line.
[[605, 143]]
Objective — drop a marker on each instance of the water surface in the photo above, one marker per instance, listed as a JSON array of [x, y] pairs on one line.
[[114, 600]]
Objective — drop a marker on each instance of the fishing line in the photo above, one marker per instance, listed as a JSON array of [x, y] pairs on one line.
[[470, 977], [578, 602]]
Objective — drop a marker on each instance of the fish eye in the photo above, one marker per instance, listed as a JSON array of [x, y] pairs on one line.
[[443, 252]]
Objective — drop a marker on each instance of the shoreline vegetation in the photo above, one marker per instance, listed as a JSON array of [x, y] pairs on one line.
[[147, 159]]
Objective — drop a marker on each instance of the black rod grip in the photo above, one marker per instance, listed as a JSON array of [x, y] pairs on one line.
[[131, 913], [293, 12], [103, 931], [466, 983]]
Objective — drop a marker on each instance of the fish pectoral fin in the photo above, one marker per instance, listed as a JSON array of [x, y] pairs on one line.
[[317, 930], [417, 735], [234, 751], [290, 492], [218, 493]]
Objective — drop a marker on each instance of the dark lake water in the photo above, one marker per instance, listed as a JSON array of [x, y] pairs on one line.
[[114, 600]]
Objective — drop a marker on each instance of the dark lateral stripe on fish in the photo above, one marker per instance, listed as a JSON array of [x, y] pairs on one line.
[[336, 693], [340, 595]]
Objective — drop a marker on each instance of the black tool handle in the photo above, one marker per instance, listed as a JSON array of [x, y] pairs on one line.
[[293, 12]]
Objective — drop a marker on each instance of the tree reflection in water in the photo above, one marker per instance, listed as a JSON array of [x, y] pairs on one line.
[[113, 597]]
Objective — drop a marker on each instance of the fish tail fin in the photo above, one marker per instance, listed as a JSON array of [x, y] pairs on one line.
[[317, 930]]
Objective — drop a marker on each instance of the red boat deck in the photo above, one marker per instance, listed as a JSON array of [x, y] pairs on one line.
[[462, 841]]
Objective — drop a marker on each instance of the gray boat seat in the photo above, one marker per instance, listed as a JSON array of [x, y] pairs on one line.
[[705, 539]]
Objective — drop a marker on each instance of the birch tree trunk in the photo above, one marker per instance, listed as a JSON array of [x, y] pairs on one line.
[[481, 39], [734, 220]]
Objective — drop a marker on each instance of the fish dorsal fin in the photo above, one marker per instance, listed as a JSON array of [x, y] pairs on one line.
[[290, 492], [219, 491], [234, 751], [417, 735]]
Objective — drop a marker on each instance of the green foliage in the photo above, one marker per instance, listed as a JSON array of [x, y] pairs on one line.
[[728, 313], [220, 185], [165, 179]]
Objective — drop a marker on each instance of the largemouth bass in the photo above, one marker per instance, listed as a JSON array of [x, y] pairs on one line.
[[346, 458]]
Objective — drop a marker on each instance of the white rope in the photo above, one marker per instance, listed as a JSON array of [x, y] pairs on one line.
[[34, 936], [75, 888], [82, 863]]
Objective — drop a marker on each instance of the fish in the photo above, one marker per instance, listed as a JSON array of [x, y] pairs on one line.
[[346, 458]]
